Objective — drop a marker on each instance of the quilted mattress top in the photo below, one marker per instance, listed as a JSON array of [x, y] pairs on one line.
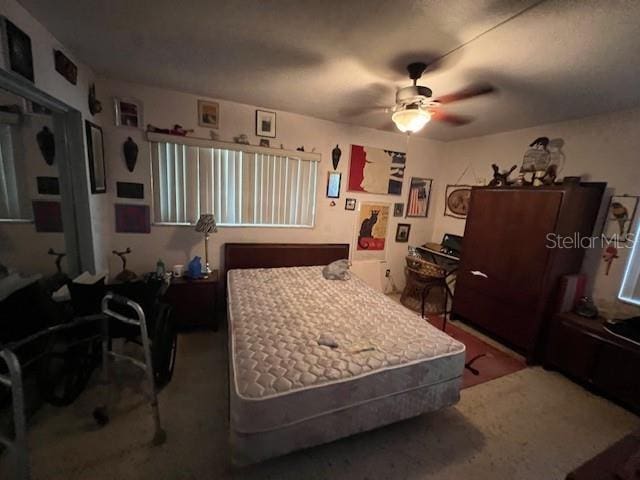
[[291, 329]]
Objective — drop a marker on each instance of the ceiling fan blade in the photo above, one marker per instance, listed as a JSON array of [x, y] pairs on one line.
[[455, 120], [468, 92], [357, 112]]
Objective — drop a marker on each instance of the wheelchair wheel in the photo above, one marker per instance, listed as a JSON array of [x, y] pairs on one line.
[[164, 346]]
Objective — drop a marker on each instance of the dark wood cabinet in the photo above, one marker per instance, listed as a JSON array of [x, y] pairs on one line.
[[194, 301], [582, 349], [508, 272]]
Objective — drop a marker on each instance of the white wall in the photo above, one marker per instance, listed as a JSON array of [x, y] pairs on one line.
[[601, 148], [51, 82], [176, 245]]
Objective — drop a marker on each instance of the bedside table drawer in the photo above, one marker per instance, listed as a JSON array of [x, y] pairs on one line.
[[194, 302]]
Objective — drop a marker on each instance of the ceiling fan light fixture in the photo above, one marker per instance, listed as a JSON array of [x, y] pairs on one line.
[[411, 119]]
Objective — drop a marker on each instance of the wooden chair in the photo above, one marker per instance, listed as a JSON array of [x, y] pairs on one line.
[[422, 277]]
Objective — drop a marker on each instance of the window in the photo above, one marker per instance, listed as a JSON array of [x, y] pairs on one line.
[[14, 202], [240, 186]]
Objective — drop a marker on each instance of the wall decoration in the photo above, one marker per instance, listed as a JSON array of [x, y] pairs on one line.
[[333, 184], [457, 198], [501, 178], [95, 105], [265, 124], [47, 216], [95, 157], [242, 139], [537, 157], [621, 215], [34, 108], [610, 254], [419, 195], [18, 55], [65, 67], [128, 112], [373, 220], [402, 232], [208, 114], [47, 144], [350, 204], [264, 142], [48, 185], [132, 219], [130, 190], [374, 170], [130, 151], [335, 156], [398, 209], [177, 130]]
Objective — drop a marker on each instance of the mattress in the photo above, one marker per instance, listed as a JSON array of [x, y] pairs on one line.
[[304, 349]]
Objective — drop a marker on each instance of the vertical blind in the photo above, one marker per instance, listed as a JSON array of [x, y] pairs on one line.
[[238, 187], [14, 204]]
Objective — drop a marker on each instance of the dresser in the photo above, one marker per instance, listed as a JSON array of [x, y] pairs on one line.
[[517, 244]]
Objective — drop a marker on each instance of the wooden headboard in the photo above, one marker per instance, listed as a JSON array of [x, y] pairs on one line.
[[271, 255]]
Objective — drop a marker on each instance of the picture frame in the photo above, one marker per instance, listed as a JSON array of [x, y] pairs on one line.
[[398, 209], [130, 190], [350, 204], [264, 142], [403, 230], [372, 226], [621, 216], [128, 112], [419, 197], [208, 114], [95, 157], [132, 218], [376, 170], [265, 123], [47, 216], [65, 67], [333, 184], [457, 200], [17, 52]]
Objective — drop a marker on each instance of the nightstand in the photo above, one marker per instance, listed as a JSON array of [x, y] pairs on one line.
[[194, 301]]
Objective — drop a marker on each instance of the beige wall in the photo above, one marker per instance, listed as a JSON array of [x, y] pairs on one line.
[[176, 245], [602, 148]]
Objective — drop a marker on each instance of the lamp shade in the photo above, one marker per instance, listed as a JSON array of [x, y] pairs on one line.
[[206, 223], [411, 119]]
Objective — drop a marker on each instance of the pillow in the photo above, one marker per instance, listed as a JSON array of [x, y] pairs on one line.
[[338, 270]]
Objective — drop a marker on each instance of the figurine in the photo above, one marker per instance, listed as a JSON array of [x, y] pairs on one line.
[[195, 267], [176, 130], [125, 275], [549, 177], [300, 149], [95, 106], [130, 149], [501, 179], [47, 144], [242, 139], [335, 156]]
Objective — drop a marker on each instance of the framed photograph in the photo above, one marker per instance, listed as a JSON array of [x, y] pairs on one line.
[[402, 232], [128, 112], [48, 185], [65, 67], [373, 220], [376, 170], [350, 204], [264, 142], [457, 199], [130, 190], [18, 54], [265, 124], [132, 219], [333, 184], [419, 194], [208, 114], [621, 215], [47, 216], [95, 157], [398, 209]]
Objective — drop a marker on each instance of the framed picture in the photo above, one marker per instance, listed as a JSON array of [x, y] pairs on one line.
[[373, 220], [95, 157], [265, 124], [130, 190], [457, 198], [402, 232], [208, 114], [398, 209], [132, 219], [419, 194], [621, 215], [48, 185], [47, 216], [128, 112], [65, 67], [375, 170], [333, 184], [350, 204], [264, 142], [18, 54]]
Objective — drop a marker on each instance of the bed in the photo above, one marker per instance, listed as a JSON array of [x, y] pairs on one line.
[[313, 360]]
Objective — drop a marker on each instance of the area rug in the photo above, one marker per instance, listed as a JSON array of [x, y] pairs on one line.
[[494, 364]]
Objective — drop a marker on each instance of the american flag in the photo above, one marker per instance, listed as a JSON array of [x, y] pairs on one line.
[[418, 199]]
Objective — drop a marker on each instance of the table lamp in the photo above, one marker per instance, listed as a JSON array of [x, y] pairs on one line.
[[206, 224]]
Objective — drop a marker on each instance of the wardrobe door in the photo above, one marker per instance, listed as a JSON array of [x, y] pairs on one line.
[[505, 252]]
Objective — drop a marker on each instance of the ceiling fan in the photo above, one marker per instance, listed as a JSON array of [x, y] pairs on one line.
[[414, 106]]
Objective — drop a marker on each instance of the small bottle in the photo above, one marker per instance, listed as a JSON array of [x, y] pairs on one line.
[[160, 269]]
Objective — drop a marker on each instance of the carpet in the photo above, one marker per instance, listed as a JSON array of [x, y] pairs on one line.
[[493, 364]]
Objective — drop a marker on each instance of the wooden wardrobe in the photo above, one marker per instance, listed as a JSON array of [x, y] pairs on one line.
[[508, 276]]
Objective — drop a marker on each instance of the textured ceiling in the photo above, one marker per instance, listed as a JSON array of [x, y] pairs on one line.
[[331, 59]]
